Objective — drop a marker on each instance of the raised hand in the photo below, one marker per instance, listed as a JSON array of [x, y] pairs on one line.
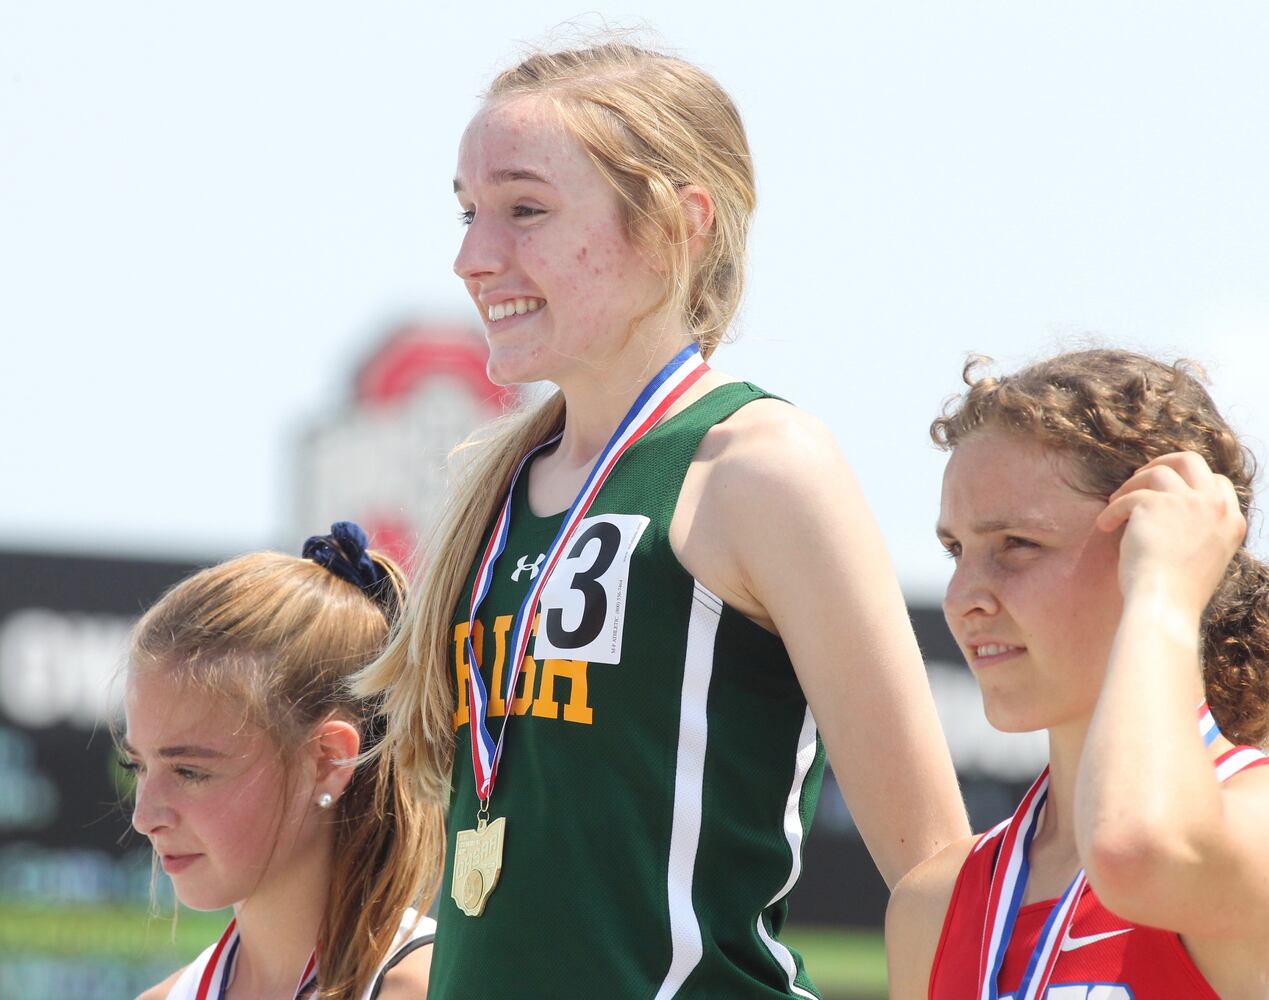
[[1182, 525]]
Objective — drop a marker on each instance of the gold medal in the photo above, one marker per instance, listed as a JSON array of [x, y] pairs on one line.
[[477, 864]]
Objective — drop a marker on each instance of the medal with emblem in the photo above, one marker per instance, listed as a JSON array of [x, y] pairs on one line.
[[477, 864], [478, 852]]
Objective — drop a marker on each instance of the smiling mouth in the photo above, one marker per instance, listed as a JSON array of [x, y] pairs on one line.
[[513, 307], [992, 651]]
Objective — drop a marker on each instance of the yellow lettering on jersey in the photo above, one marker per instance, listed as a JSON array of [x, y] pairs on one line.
[[544, 705], [577, 710]]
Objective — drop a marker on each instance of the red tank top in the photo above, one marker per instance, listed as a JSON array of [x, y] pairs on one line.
[[1103, 957]]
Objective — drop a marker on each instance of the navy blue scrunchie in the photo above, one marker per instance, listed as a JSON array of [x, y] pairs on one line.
[[343, 552]]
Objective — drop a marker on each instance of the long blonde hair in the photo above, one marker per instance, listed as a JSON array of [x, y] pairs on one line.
[[280, 637], [651, 124]]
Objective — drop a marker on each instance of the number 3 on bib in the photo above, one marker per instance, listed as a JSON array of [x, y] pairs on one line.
[[583, 607]]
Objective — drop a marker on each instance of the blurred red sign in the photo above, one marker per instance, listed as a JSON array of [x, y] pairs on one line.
[[381, 460]]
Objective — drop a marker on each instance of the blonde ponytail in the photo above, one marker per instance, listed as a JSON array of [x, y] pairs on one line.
[[414, 677]]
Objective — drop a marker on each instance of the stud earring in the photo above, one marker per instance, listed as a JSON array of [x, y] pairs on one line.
[[325, 800]]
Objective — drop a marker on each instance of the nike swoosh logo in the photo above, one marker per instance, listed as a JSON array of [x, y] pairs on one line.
[[1072, 942]]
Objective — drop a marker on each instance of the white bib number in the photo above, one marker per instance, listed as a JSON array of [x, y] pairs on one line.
[[583, 607]]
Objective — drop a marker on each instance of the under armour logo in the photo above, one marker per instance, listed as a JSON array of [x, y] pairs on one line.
[[523, 565]]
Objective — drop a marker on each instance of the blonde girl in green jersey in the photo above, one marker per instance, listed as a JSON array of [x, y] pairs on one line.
[[724, 614]]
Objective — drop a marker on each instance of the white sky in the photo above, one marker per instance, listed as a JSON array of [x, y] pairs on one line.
[[209, 212]]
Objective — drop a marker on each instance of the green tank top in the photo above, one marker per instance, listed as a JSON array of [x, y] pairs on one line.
[[660, 775]]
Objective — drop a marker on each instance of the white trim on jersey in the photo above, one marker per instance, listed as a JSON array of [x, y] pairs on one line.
[[794, 833], [686, 948]]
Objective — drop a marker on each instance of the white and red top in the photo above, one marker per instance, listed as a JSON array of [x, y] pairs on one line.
[[1098, 957], [207, 977]]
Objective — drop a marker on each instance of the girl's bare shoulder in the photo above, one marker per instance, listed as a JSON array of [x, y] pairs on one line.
[[914, 919], [927, 888]]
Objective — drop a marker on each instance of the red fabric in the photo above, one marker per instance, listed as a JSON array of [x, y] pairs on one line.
[[1140, 964], [1143, 963]]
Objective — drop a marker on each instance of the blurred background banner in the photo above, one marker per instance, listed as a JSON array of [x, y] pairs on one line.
[[74, 888], [380, 458]]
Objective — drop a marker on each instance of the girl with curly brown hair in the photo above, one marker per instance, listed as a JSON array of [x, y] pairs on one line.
[[1095, 506]]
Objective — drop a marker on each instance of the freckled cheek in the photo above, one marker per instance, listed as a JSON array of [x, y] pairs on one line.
[[542, 265], [580, 295], [586, 281], [611, 256]]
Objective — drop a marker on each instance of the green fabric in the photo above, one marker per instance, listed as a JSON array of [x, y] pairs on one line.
[[588, 791]]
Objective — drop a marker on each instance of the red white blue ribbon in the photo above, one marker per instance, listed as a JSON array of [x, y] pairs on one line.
[[220, 966], [1238, 759], [1207, 725], [1009, 882], [216, 972], [308, 978], [647, 411]]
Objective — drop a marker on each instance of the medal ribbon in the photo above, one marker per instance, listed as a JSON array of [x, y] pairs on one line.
[[218, 965], [221, 963], [1207, 725], [646, 412], [1009, 881]]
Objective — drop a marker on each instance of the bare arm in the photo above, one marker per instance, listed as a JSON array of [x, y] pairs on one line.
[[801, 552], [1162, 841], [914, 921]]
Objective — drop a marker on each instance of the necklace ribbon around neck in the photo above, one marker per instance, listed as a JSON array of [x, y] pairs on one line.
[[1009, 882], [220, 966], [651, 406]]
